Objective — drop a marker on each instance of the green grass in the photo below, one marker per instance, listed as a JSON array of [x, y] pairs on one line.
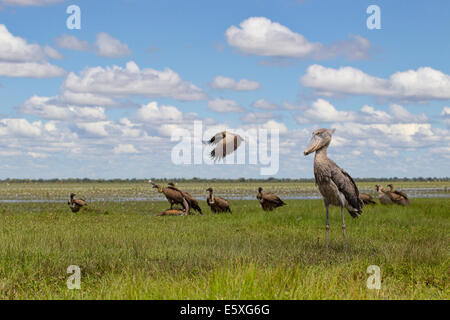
[[128, 253]]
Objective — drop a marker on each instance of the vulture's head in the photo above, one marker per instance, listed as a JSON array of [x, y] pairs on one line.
[[320, 138], [378, 187], [72, 195], [260, 189], [210, 190], [171, 184]]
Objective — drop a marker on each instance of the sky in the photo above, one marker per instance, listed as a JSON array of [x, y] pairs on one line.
[[105, 100]]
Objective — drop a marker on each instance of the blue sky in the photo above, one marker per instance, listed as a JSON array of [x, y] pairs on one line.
[[65, 111]]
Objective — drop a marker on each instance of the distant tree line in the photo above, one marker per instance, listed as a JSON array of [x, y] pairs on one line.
[[185, 180]]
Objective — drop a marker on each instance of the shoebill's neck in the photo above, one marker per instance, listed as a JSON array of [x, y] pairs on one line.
[[321, 154]]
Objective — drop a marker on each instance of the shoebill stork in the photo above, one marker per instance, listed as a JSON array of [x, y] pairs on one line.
[[75, 204], [217, 204], [335, 184], [269, 200], [173, 196], [366, 198], [225, 143], [398, 197], [193, 204]]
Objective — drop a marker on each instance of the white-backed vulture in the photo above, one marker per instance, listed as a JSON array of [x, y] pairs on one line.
[[217, 204], [75, 204], [269, 200], [398, 197], [174, 196], [366, 198], [193, 203]]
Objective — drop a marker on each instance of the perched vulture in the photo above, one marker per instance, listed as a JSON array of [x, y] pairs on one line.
[[225, 143], [174, 196], [398, 197], [366, 198], [217, 204], [268, 200], [383, 195], [193, 203], [75, 204]]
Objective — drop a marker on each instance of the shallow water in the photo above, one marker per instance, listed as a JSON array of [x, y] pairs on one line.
[[294, 195]]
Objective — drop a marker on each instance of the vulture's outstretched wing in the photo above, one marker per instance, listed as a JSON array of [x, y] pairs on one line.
[[217, 138], [226, 146]]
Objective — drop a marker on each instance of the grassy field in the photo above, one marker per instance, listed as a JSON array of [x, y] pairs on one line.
[[126, 252]]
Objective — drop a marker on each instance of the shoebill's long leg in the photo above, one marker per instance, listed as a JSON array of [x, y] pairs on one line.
[[328, 224], [343, 227]]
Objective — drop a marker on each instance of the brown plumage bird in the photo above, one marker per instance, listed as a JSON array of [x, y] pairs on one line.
[[173, 195], [193, 203], [366, 198], [225, 143], [268, 200], [335, 184], [383, 195], [75, 204], [217, 204], [398, 197]]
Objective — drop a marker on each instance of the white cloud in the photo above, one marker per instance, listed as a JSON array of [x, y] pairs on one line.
[[131, 81], [424, 83], [221, 82], [20, 127], [124, 148], [109, 47], [20, 59], [50, 108], [95, 128], [445, 116], [26, 3], [38, 155], [151, 112], [224, 105], [385, 153], [398, 135], [324, 111], [370, 115], [72, 43], [274, 125], [258, 117], [260, 36], [166, 130], [52, 53], [292, 106], [80, 98], [400, 114], [30, 70], [264, 104]]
